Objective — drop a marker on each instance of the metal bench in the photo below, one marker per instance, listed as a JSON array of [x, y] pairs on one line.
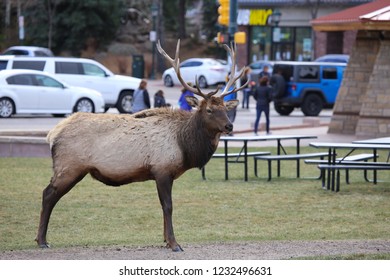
[[347, 160], [237, 157], [350, 165], [296, 157]]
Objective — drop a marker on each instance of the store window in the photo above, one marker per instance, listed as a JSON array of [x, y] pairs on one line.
[[260, 47], [283, 43], [303, 44]]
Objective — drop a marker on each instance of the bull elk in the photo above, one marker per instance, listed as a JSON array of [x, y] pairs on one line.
[[156, 144]]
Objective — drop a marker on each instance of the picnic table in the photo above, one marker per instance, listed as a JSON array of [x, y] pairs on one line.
[[250, 139], [335, 164], [375, 141]]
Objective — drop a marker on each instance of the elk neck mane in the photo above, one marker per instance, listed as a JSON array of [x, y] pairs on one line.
[[196, 142]]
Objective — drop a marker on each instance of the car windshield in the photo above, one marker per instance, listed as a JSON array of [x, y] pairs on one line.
[[16, 52]]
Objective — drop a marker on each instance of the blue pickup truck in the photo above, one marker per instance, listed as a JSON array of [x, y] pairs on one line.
[[310, 86]]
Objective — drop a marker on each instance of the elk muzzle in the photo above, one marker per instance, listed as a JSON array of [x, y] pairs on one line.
[[229, 127]]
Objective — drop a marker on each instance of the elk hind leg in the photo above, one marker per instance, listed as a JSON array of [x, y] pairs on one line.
[[50, 196]]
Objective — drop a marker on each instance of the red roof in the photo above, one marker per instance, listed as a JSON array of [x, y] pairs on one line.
[[356, 17]]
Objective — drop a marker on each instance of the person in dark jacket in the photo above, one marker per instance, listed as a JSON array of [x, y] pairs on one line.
[[265, 72], [159, 99], [278, 83], [262, 93], [141, 99]]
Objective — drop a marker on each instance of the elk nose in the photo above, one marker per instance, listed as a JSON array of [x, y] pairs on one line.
[[229, 127]]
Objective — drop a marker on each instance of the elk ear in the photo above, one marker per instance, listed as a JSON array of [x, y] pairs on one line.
[[192, 101], [231, 104]]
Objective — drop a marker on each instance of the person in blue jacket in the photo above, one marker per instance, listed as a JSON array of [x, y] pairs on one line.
[[182, 100]]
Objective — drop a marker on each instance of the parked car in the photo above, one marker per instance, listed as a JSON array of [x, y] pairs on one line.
[[257, 66], [341, 58], [36, 92], [117, 90], [28, 51], [311, 86], [209, 71]]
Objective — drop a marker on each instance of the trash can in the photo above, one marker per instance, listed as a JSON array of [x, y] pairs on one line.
[[138, 66]]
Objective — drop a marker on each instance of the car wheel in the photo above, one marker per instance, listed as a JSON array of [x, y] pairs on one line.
[[202, 82], [84, 105], [312, 105], [125, 102], [7, 107], [168, 82], [283, 110]]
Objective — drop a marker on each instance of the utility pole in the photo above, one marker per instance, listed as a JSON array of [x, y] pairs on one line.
[[232, 29]]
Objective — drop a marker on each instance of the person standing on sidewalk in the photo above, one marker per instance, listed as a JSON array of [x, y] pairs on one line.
[[265, 73], [246, 91], [262, 93], [141, 100]]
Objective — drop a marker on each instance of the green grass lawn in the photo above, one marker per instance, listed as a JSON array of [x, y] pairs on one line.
[[214, 210]]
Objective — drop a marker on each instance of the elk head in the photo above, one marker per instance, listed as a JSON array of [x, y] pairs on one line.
[[213, 107]]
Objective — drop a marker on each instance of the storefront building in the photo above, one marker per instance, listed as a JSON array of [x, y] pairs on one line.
[[281, 30]]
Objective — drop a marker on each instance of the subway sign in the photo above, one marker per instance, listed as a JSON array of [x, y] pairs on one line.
[[254, 17]]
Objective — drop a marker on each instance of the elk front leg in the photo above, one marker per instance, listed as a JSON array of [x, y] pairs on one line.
[[164, 188]]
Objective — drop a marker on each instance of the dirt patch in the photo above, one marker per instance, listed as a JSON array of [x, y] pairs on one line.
[[268, 250]]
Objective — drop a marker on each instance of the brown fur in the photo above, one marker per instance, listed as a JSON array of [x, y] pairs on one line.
[[156, 144]]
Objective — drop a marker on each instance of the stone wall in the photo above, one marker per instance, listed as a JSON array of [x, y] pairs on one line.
[[374, 118], [355, 83]]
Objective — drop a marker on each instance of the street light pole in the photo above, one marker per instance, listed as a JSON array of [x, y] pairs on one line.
[[153, 39]]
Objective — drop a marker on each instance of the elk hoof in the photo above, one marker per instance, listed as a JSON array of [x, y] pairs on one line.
[[176, 248], [44, 246]]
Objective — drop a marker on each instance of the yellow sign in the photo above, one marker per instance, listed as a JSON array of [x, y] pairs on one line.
[[259, 17], [240, 37], [253, 17]]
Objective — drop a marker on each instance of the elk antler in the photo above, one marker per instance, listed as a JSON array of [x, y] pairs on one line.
[[232, 78], [176, 65]]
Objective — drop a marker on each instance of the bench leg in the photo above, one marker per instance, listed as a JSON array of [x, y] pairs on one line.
[[323, 178], [269, 170], [338, 181], [255, 164], [204, 173], [347, 176], [333, 180]]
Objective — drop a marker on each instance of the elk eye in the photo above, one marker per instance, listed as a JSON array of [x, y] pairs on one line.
[[209, 111]]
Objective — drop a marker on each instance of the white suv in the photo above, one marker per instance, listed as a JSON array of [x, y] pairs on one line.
[[28, 51], [117, 90]]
